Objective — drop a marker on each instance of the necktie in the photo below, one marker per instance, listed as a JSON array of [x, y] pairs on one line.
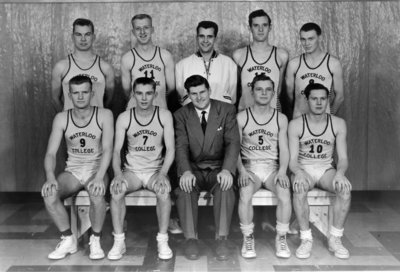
[[203, 121]]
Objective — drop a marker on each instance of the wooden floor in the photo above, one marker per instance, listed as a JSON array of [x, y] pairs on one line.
[[372, 234]]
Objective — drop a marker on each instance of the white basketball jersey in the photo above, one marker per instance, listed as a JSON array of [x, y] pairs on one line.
[[84, 145], [250, 69], [306, 75], [145, 144], [317, 149], [94, 73], [260, 141], [153, 68]]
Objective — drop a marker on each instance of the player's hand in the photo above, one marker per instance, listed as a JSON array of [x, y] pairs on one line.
[[50, 187], [341, 184], [245, 178], [225, 179], [118, 185], [300, 182], [96, 186], [161, 184], [282, 179], [187, 181]]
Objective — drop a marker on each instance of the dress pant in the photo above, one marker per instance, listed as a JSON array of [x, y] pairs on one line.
[[187, 204]]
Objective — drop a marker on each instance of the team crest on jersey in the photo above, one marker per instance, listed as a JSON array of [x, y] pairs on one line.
[[259, 68], [149, 66], [261, 131], [313, 75]]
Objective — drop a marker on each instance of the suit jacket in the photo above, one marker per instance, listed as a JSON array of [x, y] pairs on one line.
[[218, 148]]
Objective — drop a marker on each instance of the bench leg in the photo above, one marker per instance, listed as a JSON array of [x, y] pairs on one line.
[[319, 217]]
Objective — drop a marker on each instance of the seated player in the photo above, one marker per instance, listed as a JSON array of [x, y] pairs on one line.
[[151, 150], [312, 139], [263, 161], [88, 132]]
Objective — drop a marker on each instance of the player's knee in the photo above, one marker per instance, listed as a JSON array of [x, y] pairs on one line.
[[283, 195], [50, 200], [300, 195], [344, 196], [96, 200], [245, 195], [163, 196]]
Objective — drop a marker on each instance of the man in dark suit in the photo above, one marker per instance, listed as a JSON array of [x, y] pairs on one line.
[[207, 149]]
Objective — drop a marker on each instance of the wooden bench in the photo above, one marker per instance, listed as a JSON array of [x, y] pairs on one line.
[[319, 201]]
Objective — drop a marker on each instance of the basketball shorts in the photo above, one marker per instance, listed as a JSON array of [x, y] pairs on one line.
[[262, 170], [316, 171]]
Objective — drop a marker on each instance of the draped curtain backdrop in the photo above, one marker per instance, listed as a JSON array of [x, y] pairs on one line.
[[363, 34]]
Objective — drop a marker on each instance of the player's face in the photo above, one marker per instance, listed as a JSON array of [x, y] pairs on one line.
[[142, 30], [206, 39], [309, 40], [260, 28], [200, 96], [83, 37], [318, 101], [80, 95], [144, 95], [263, 92]]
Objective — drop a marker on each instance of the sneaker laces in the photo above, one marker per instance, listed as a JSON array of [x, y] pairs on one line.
[[282, 242], [338, 243], [95, 243], [249, 242], [63, 238], [305, 244]]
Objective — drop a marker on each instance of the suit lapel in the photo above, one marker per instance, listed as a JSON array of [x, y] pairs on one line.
[[194, 123], [214, 119]]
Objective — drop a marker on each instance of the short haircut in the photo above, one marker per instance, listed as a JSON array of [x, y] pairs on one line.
[[78, 80], [311, 26], [194, 81], [258, 13], [207, 24], [82, 22], [144, 81], [315, 86], [262, 77], [141, 17]]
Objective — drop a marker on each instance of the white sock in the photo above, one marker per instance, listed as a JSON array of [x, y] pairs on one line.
[[247, 229], [281, 228], [306, 234], [336, 232]]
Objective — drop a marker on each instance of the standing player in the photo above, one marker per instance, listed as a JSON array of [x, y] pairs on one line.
[[88, 132], [313, 66], [82, 62], [260, 58], [219, 70], [263, 161], [149, 132], [147, 60], [312, 139]]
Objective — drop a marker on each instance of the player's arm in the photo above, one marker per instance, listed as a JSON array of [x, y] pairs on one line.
[[336, 69], [106, 120], [120, 132], [239, 56], [244, 177], [283, 57], [126, 78], [340, 182], [290, 78], [56, 84], [56, 135], [110, 82], [231, 149], [179, 84], [232, 81], [162, 183], [281, 176], [169, 70], [186, 178], [299, 181]]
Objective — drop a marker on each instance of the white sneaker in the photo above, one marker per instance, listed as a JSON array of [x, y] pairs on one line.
[[336, 246], [96, 252], [282, 249], [67, 245], [173, 226], [304, 250], [248, 247], [164, 251], [118, 249]]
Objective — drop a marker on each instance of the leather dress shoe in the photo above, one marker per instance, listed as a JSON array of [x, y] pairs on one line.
[[192, 249], [222, 250]]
